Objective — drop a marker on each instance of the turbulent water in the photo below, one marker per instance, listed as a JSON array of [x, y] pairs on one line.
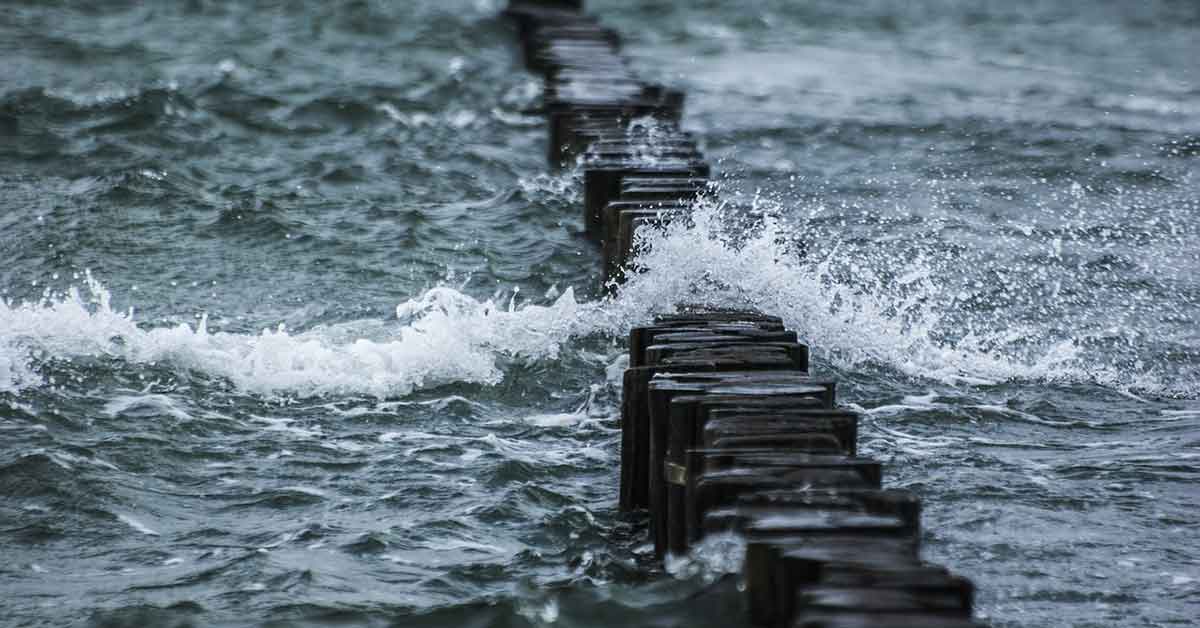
[[297, 330]]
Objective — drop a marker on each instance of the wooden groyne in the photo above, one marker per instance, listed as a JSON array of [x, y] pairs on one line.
[[724, 430]]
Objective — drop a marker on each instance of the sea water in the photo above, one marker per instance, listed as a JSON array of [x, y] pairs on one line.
[[298, 328]]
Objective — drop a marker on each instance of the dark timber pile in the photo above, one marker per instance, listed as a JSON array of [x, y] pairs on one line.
[[723, 428]]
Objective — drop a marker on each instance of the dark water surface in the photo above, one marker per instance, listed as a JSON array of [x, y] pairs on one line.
[[297, 330]]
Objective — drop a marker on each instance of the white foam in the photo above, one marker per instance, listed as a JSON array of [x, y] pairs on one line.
[[391, 437], [307, 490], [15, 371], [136, 525], [713, 556], [902, 408], [561, 419], [159, 404], [445, 336], [853, 315]]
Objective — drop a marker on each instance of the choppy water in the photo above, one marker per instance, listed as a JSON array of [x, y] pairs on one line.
[[296, 330]]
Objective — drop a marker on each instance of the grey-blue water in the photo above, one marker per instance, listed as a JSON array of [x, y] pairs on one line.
[[297, 330]]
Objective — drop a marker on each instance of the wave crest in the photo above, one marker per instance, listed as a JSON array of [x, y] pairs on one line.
[[444, 336], [858, 304]]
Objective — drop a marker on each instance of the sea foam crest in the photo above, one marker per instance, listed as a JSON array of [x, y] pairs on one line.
[[898, 322], [893, 313], [444, 336]]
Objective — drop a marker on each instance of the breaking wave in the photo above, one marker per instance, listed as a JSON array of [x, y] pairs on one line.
[[886, 313]]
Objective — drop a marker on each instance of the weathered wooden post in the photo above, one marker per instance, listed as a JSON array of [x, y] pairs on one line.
[[723, 428]]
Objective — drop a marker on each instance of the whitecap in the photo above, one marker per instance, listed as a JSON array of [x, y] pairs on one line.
[[452, 338], [445, 336], [136, 525], [307, 490], [158, 404], [851, 314], [561, 419]]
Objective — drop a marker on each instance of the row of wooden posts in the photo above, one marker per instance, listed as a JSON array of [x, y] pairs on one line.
[[724, 431]]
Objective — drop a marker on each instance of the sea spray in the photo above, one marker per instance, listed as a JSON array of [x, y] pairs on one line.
[[353, 357], [879, 304], [858, 305]]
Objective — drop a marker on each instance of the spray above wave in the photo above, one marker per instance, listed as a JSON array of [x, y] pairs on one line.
[[912, 303], [859, 305], [445, 337]]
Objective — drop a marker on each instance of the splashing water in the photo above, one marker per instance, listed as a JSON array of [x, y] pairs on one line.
[[857, 306], [863, 305], [452, 338], [944, 208]]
